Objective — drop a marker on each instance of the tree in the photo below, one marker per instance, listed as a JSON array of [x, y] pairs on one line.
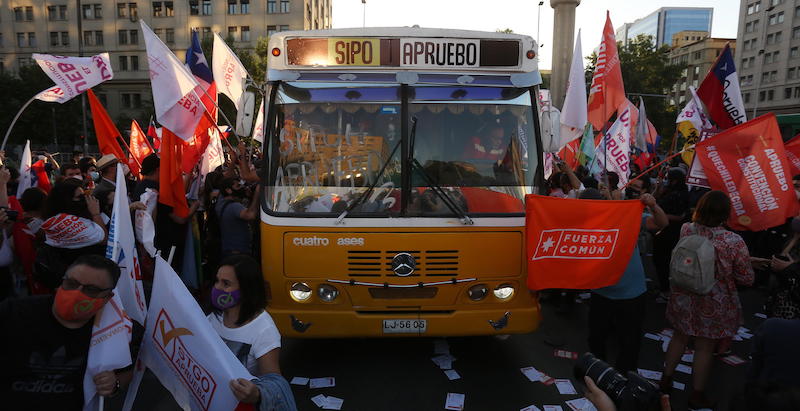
[[37, 121], [646, 70], [505, 30]]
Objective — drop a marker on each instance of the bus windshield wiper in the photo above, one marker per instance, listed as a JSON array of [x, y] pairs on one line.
[[360, 199], [436, 188]]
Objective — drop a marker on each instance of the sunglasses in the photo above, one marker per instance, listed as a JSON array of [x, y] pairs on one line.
[[90, 290]]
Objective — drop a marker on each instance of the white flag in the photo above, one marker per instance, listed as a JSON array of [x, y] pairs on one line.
[[145, 226], [182, 349], [213, 156], [25, 178], [229, 72], [258, 131], [614, 152], [175, 90], [549, 123], [695, 113], [574, 112], [642, 129], [72, 75], [121, 249], [109, 348]]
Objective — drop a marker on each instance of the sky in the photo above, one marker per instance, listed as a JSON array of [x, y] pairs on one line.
[[521, 16]]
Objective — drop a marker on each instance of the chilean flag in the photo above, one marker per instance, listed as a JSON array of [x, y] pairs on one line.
[[194, 148], [721, 93]]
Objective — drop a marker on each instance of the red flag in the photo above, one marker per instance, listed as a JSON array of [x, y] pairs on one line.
[[194, 148], [42, 180], [139, 147], [570, 153], [171, 188], [579, 244], [748, 162], [792, 148], [105, 130], [607, 92]]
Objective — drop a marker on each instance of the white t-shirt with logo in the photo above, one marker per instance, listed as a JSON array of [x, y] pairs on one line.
[[250, 341]]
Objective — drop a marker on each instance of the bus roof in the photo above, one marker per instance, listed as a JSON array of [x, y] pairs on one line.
[[408, 50]]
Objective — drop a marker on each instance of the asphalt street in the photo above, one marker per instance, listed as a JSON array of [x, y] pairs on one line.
[[398, 374]]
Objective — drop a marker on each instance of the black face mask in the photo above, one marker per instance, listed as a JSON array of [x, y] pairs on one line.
[[240, 193], [77, 207], [632, 194]]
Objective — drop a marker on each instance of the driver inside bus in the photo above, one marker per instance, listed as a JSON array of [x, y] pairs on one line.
[[491, 147]]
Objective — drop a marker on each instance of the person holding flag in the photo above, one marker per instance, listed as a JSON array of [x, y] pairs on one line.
[[43, 366]]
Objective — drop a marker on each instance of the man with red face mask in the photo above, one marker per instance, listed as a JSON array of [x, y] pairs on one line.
[[46, 340]]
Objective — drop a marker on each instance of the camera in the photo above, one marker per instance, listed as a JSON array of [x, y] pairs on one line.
[[11, 214], [630, 392]]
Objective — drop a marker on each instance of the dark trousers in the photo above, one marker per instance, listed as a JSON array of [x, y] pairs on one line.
[[622, 320]]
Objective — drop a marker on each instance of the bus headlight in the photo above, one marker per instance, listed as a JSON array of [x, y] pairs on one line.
[[477, 292], [300, 292], [327, 292], [504, 291]]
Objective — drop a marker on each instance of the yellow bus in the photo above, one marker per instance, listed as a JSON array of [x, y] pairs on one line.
[[396, 164]]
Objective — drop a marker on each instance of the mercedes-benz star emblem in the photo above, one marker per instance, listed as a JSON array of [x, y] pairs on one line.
[[403, 264]]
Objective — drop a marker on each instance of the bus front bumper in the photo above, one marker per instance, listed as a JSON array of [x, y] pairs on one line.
[[320, 323]]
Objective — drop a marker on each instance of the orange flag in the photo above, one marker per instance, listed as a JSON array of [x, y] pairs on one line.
[[105, 130], [579, 244], [139, 147], [171, 188], [607, 92], [569, 154], [748, 163]]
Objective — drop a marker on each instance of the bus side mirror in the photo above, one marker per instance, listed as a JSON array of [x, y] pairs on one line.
[[244, 117]]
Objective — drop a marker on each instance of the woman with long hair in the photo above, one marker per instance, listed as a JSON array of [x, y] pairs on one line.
[[713, 316], [240, 318]]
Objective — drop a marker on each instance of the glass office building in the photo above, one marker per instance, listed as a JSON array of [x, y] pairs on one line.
[[666, 21]]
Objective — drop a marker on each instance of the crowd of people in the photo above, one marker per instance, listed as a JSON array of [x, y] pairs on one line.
[[54, 240], [54, 275], [705, 321]]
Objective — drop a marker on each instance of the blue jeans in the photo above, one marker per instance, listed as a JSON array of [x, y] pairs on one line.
[[276, 395]]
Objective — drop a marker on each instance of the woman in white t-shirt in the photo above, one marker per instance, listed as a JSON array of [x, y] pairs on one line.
[[239, 317]]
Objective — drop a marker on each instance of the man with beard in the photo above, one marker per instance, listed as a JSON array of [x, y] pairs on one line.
[[234, 218]]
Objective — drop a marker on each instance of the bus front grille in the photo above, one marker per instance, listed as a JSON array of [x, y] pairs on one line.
[[378, 263]]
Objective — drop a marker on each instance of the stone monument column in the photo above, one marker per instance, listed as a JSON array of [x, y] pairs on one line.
[[563, 41]]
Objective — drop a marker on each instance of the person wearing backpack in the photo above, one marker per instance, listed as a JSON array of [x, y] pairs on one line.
[[707, 264]]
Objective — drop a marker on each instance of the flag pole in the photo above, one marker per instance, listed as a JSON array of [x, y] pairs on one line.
[[14, 121], [129, 151], [656, 166]]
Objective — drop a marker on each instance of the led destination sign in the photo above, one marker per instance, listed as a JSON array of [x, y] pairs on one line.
[[426, 53]]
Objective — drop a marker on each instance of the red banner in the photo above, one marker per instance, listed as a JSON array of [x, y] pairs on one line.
[[579, 244], [748, 162]]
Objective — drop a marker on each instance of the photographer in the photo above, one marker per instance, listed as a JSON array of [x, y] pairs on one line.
[[603, 402]]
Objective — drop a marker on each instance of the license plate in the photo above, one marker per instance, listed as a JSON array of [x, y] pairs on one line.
[[404, 326]]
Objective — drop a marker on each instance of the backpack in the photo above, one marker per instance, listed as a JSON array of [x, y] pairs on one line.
[[692, 265]]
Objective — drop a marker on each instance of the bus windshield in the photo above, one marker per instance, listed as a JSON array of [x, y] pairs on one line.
[[335, 140]]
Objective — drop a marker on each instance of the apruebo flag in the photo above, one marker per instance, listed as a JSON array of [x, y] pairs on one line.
[[607, 93], [574, 111], [182, 349], [109, 348], [121, 248], [213, 157], [228, 71], [721, 93], [140, 147], [579, 244], [614, 152], [72, 75], [25, 177], [105, 129], [792, 148], [175, 90], [748, 162]]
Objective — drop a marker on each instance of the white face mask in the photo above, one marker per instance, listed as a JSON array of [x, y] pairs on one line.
[[94, 175]]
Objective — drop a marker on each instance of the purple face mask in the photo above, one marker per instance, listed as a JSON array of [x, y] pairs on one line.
[[222, 300]]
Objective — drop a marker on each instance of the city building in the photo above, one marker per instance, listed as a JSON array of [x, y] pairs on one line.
[[51, 27], [768, 56], [698, 51], [666, 21]]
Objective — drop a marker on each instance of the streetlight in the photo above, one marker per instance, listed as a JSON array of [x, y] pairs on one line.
[[539, 20], [364, 14]]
